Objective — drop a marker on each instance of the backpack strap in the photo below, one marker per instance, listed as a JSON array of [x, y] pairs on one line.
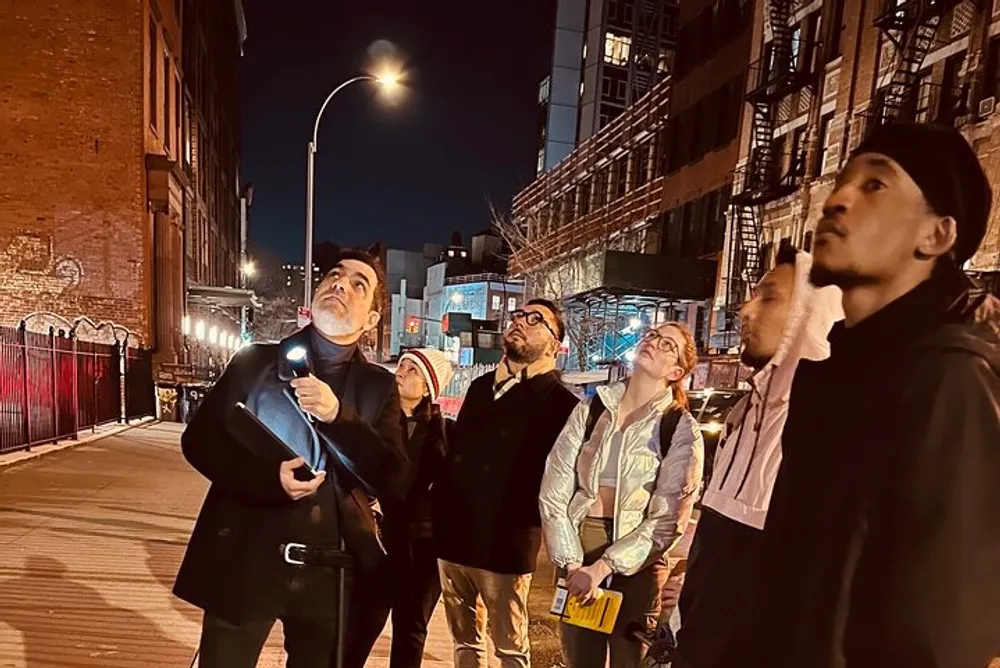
[[593, 415], [668, 425]]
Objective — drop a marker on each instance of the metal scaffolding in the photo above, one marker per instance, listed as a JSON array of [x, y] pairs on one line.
[[606, 324]]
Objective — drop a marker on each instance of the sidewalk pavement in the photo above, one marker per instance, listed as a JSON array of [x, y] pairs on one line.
[[90, 541]]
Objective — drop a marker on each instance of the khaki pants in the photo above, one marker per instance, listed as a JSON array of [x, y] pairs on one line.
[[475, 600]]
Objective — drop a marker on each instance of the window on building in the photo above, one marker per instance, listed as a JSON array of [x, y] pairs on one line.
[[600, 188], [621, 177], [581, 89], [952, 99], [495, 302], [797, 157], [641, 166], [616, 49], [807, 242], [154, 64], [543, 90], [765, 256], [167, 134], [821, 147], [178, 118], [511, 304], [836, 47], [991, 75], [796, 45]]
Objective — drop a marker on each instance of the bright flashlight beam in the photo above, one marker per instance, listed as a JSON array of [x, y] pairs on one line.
[[388, 80]]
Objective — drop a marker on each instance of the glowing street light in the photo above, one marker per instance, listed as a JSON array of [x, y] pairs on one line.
[[389, 81], [249, 269]]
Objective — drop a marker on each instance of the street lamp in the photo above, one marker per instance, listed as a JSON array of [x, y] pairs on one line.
[[388, 81], [249, 269]]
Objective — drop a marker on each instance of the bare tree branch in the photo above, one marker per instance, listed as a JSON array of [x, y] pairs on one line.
[[556, 278]]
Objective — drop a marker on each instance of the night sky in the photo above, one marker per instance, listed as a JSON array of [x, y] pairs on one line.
[[466, 131]]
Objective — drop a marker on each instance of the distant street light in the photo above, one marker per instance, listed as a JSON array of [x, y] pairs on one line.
[[388, 81]]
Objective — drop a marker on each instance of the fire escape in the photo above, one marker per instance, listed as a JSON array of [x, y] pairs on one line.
[[764, 179], [652, 36], [911, 25]]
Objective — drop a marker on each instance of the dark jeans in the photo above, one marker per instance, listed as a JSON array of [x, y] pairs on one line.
[[309, 642], [409, 587], [719, 599], [640, 609]]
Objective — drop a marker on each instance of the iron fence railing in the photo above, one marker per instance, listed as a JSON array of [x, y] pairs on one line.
[[52, 386]]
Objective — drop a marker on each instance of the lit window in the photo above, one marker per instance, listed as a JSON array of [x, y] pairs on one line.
[[511, 304], [581, 89], [451, 253], [495, 302], [616, 49]]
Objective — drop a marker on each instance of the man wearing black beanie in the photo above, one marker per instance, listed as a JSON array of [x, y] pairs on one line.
[[882, 541]]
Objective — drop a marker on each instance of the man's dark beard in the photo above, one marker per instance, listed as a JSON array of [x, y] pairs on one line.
[[755, 362], [520, 352], [822, 277]]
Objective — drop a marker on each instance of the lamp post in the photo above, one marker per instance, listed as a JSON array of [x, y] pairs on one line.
[[387, 81]]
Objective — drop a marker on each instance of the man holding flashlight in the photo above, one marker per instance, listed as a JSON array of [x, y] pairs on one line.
[[276, 533]]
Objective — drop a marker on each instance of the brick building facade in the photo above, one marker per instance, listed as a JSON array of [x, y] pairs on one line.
[[839, 70], [119, 161]]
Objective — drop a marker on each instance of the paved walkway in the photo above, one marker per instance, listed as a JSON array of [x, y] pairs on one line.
[[90, 541]]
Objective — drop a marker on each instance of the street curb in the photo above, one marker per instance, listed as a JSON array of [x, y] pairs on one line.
[[36, 451]]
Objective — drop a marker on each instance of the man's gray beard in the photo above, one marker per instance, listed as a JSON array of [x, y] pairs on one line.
[[521, 353], [331, 325]]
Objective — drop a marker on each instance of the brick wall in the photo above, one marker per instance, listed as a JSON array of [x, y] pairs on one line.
[[74, 230]]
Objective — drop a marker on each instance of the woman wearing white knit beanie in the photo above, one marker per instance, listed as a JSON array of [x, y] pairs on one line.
[[415, 586]]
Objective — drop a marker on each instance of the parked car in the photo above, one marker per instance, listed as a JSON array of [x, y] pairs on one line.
[[710, 407]]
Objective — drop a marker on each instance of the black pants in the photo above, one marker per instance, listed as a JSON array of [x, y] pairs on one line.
[[309, 642], [720, 593], [408, 587]]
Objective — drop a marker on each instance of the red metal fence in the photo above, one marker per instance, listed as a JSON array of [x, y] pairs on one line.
[[53, 386]]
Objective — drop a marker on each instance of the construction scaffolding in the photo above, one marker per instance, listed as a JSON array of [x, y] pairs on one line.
[[609, 184], [607, 324]]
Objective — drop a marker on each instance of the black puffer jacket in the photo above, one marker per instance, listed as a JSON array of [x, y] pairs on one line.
[[233, 567]]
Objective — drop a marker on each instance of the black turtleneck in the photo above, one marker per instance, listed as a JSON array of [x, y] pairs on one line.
[[331, 360], [905, 319]]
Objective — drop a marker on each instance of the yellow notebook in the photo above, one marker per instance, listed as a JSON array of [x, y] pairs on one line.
[[598, 616]]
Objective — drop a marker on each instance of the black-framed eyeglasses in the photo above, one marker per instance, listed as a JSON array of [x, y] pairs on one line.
[[533, 318], [660, 342]]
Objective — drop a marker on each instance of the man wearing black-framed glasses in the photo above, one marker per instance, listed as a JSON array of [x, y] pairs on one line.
[[486, 517]]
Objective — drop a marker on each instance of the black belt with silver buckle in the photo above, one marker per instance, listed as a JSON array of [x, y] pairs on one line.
[[299, 554]]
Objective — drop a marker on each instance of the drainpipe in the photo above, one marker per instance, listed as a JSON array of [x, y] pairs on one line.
[[862, 15]]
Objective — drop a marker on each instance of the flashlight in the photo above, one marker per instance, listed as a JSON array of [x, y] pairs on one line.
[[298, 361]]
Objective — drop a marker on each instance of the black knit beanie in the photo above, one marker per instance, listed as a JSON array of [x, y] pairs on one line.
[[944, 166]]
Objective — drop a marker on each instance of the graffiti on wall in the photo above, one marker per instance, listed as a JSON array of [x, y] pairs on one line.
[[27, 262]]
